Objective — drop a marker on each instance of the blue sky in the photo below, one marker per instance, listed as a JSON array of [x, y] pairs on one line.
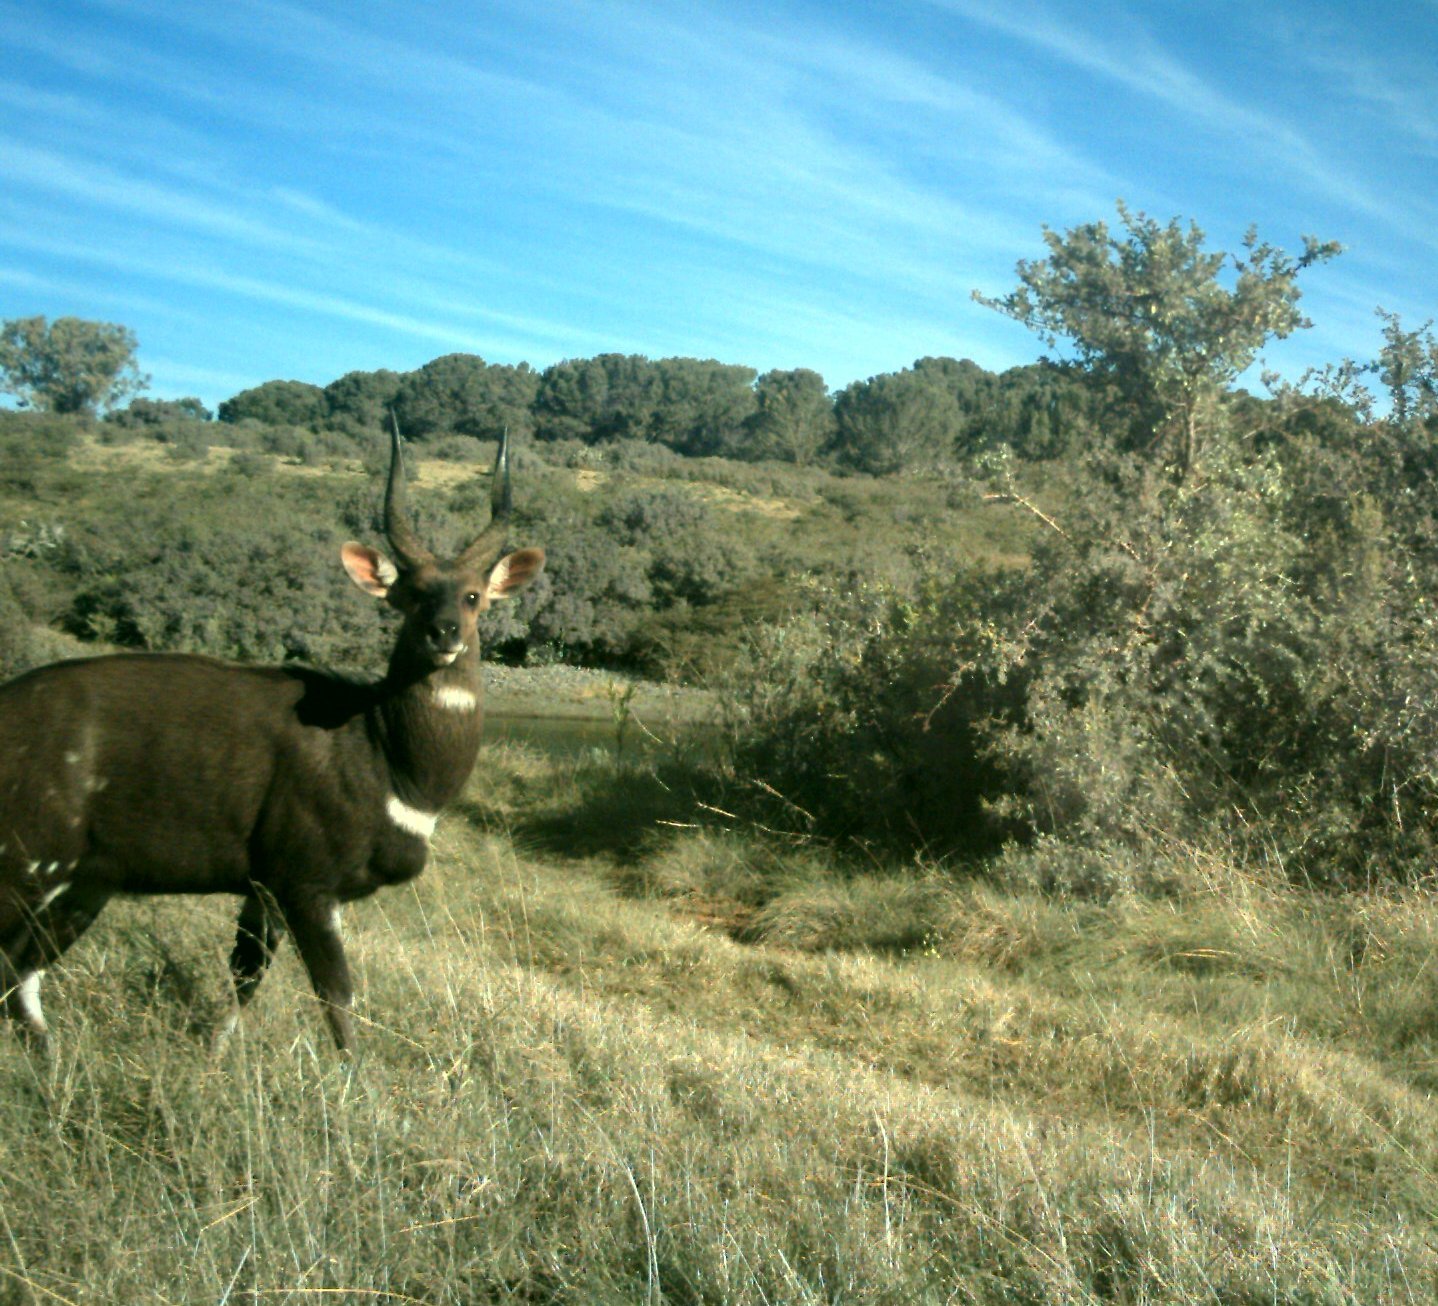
[[299, 188]]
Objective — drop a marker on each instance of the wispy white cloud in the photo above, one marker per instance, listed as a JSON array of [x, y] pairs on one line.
[[1404, 102], [535, 182], [1134, 60], [735, 148], [177, 377], [337, 307], [94, 184]]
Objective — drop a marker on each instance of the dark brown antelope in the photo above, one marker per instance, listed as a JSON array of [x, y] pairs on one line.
[[297, 789]]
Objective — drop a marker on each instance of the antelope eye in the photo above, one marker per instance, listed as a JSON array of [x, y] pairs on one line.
[[472, 598]]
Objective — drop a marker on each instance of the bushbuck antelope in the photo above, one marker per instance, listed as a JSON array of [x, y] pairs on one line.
[[295, 788]]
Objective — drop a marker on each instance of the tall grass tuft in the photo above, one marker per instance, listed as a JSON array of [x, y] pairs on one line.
[[583, 1081]]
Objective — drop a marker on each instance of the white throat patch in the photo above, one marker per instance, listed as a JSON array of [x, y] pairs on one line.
[[410, 819], [455, 698]]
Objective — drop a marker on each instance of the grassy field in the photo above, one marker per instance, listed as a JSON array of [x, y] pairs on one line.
[[610, 1059]]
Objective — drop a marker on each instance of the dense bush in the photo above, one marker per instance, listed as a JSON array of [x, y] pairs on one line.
[[311, 447], [1198, 611], [207, 581], [143, 412], [934, 414], [461, 394], [1229, 629], [287, 403], [866, 717]]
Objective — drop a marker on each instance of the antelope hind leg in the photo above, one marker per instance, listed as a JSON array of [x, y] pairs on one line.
[[258, 934]]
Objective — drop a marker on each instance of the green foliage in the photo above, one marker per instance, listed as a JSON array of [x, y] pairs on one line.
[[27, 438], [361, 402], [1241, 640], [461, 394], [1041, 412], [610, 397], [793, 419], [936, 414], [207, 581], [278, 403], [1150, 315], [703, 405], [895, 422], [690, 559], [1408, 371], [310, 447], [69, 365], [25, 643], [144, 413], [694, 406], [866, 719]]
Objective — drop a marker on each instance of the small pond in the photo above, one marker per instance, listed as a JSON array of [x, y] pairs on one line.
[[569, 736], [559, 736]]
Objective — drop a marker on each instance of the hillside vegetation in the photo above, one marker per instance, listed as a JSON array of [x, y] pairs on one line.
[[709, 1073], [1036, 906]]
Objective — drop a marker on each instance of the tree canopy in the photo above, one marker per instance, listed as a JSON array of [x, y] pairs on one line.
[[70, 365], [794, 418], [277, 403], [1152, 314], [461, 394]]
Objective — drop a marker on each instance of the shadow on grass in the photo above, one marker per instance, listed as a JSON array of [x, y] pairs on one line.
[[623, 810]]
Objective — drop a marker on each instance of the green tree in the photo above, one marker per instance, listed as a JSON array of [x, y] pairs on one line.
[[609, 397], [896, 421], [1408, 370], [69, 365], [794, 418], [1153, 314], [703, 405], [461, 394], [156, 412], [277, 403], [361, 401]]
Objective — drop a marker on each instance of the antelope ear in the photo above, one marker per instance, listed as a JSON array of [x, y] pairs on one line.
[[514, 571], [369, 569]]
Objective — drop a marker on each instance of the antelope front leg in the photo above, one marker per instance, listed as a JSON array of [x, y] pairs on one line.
[[316, 927], [42, 938]]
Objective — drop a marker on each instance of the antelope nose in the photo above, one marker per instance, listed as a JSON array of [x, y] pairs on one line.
[[444, 634]]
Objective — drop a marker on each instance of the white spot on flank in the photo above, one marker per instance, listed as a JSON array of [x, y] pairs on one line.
[[410, 819], [27, 997], [51, 894], [455, 698]]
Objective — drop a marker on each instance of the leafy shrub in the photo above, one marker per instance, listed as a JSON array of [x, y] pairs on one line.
[[868, 718], [142, 412], [309, 447], [291, 403]]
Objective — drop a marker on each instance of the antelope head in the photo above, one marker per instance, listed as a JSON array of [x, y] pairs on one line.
[[440, 599]]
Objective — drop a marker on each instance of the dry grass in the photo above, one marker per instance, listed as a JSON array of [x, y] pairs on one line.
[[898, 1088]]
